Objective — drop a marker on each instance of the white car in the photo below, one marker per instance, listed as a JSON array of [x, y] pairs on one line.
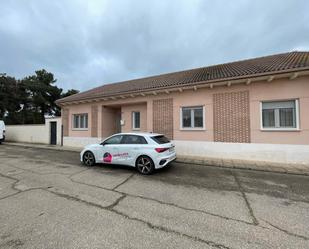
[[145, 151], [2, 131]]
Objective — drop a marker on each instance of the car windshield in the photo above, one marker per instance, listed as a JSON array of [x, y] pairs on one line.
[[160, 139]]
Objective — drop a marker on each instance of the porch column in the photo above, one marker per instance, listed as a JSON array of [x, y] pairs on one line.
[[149, 116], [65, 113], [100, 135], [94, 121]]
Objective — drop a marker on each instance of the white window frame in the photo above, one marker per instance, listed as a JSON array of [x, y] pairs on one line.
[[280, 128], [85, 123], [133, 121], [192, 128]]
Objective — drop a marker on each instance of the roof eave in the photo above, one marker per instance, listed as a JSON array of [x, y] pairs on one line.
[[269, 76]]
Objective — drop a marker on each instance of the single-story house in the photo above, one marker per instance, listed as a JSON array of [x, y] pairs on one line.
[[253, 106]]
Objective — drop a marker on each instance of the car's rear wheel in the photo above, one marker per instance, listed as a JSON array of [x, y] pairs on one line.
[[145, 165], [88, 158]]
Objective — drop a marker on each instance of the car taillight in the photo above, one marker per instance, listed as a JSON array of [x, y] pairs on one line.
[[160, 150]]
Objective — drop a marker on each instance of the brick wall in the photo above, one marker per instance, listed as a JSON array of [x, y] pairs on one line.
[[94, 121], [65, 121], [163, 117], [232, 117]]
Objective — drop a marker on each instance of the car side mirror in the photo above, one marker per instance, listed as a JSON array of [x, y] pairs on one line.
[[103, 143]]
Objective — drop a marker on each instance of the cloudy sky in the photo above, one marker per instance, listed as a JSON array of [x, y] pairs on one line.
[[90, 43]]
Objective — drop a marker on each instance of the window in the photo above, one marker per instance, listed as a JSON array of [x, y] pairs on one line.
[[113, 140], [80, 121], [160, 139], [280, 115], [136, 117], [133, 139], [192, 117]]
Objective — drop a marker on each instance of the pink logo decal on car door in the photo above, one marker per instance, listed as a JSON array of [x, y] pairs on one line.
[[107, 158]]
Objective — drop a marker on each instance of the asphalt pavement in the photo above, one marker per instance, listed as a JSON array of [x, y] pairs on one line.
[[48, 199]]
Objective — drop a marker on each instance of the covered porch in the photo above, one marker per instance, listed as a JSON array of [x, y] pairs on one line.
[[125, 117]]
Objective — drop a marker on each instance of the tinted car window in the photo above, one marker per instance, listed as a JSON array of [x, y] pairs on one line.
[[160, 139], [132, 139], [114, 140]]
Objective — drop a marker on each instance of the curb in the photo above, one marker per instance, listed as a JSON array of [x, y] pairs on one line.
[[43, 146], [263, 166]]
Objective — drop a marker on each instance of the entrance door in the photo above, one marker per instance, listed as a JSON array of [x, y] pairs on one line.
[[53, 133], [118, 125]]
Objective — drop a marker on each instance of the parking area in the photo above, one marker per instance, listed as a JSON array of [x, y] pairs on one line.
[[49, 200]]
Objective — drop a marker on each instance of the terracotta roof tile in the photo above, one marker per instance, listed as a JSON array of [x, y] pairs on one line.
[[240, 69]]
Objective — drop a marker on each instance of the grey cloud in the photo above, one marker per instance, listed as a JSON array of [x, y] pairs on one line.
[[88, 43]]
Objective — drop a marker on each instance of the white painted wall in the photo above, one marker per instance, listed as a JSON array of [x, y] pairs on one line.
[[281, 153], [33, 133], [278, 153], [80, 141], [26, 133]]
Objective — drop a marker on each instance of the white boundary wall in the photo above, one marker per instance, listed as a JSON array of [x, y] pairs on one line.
[[33, 133], [80, 141], [280, 153]]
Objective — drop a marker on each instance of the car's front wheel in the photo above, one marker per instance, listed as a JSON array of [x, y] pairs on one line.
[[88, 158], [145, 165]]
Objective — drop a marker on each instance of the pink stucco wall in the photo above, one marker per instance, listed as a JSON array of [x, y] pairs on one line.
[[259, 91], [280, 90], [126, 116], [79, 109]]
